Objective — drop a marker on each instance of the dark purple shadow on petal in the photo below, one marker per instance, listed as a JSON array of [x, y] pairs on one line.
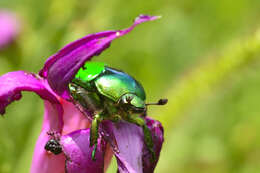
[[157, 135], [129, 140], [78, 153], [13, 83], [60, 68]]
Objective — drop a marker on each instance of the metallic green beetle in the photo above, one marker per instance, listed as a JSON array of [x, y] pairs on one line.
[[110, 94]]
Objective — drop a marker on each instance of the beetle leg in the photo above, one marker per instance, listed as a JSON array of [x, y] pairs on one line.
[[147, 133], [54, 134], [94, 133], [94, 129], [115, 118], [93, 155]]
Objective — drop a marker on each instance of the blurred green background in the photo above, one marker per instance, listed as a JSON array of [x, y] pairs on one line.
[[204, 56]]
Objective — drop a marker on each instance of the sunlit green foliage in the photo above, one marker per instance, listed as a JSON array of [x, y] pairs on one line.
[[204, 56]]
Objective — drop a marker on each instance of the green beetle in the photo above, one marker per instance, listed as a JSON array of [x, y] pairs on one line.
[[110, 94]]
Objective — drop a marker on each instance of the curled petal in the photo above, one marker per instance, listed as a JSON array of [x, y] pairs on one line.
[[78, 153], [157, 135], [129, 141], [11, 85], [43, 161], [61, 67]]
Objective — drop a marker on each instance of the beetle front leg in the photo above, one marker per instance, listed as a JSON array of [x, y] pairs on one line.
[[94, 133], [148, 140]]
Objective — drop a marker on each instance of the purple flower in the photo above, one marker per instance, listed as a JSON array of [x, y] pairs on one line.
[[64, 119], [9, 28]]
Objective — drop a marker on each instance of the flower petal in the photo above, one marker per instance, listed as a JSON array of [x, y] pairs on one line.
[[60, 68], [157, 135], [131, 153], [73, 120], [129, 141], [11, 86], [78, 153], [12, 83], [43, 161]]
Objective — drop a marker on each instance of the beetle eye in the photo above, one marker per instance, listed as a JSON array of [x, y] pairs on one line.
[[133, 103], [129, 98], [126, 99]]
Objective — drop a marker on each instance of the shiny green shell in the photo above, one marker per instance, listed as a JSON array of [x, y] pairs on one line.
[[109, 82]]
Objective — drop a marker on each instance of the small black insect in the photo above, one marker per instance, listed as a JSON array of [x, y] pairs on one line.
[[53, 146]]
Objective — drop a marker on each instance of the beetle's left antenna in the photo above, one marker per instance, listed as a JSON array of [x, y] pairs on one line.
[[160, 102]]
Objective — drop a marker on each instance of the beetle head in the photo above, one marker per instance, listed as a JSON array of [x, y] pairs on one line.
[[132, 103]]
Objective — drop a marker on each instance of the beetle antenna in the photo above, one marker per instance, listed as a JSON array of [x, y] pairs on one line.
[[160, 102]]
